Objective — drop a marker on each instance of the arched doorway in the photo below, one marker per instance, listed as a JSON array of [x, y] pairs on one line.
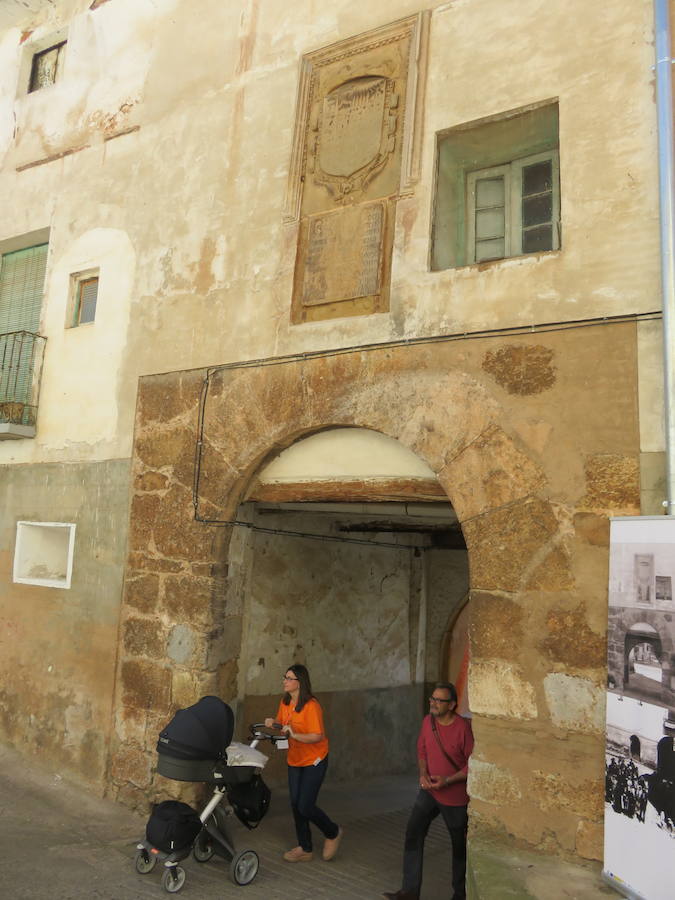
[[642, 661], [635, 747], [354, 558]]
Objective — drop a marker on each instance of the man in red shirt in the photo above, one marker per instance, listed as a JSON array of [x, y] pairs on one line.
[[444, 745]]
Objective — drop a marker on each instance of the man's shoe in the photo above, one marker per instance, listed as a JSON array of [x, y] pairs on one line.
[[400, 895], [330, 847], [297, 854]]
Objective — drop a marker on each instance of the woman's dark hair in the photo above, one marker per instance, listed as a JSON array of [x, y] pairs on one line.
[[304, 686]]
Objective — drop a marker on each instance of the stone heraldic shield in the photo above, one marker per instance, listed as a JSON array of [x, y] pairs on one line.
[[356, 133]]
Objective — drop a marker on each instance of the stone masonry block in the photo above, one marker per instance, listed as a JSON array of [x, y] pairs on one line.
[[575, 704], [145, 684], [491, 784], [497, 688], [144, 637]]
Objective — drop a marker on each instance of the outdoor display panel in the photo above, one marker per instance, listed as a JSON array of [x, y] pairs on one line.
[[640, 753]]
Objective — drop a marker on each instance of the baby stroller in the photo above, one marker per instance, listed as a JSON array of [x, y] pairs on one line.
[[197, 746]]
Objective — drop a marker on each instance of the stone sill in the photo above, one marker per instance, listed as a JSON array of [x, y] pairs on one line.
[[11, 432]]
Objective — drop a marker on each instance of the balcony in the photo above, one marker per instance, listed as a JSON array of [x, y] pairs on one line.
[[21, 354]]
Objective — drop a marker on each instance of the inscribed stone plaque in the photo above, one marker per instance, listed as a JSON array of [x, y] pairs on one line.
[[343, 254]]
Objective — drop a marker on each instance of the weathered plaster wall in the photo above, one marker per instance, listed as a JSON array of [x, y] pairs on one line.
[[499, 423], [212, 150], [58, 647], [343, 610]]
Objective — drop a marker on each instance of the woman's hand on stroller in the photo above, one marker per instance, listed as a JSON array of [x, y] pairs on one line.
[[271, 723]]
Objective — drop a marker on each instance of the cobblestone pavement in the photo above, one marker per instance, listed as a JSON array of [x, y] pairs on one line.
[[60, 843]]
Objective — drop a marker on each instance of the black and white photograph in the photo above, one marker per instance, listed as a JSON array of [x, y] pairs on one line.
[[640, 745]]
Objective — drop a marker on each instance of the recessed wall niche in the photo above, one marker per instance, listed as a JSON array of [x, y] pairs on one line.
[[43, 553]]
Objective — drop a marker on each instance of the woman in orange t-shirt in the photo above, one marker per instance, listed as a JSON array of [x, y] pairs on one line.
[[301, 718]]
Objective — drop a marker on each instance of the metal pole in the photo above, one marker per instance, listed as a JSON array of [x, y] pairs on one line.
[[664, 107]]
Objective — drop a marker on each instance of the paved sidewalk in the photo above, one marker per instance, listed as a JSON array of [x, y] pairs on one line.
[[60, 843]]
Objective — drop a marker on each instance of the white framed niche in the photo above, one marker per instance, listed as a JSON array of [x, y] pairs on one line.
[[43, 554]]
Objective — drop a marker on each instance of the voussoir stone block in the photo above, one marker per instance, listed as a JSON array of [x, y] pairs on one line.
[[508, 475], [508, 545]]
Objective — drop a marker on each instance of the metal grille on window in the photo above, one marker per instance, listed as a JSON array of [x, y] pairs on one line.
[[46, 67], [87, 293], [490, 218], [537, 207]]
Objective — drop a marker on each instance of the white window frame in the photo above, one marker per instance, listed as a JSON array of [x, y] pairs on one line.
[[31, 49], [513, 190], [473, 177], [72, 312]]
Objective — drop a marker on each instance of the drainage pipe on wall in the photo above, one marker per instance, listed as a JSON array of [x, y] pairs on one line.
[[664, 107]]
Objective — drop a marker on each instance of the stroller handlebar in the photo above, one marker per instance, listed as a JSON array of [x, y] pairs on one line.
[[258, 733]]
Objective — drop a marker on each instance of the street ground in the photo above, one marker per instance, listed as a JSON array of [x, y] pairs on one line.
[[61, 843]]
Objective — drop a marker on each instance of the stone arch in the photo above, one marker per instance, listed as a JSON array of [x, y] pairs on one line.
[[531, 494]]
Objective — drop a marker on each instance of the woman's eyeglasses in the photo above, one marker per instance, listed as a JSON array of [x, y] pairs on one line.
[[288, 678]]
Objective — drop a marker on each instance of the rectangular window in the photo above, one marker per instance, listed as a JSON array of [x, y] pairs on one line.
[[22, 278], [85, 307], [46, 67], [497, 188], [513, 209]]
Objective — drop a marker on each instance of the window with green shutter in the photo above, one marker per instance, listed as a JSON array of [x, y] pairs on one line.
[[22, 278], [22, 275]]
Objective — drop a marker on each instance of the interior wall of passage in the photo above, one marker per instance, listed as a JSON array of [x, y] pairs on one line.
[[351, 613]]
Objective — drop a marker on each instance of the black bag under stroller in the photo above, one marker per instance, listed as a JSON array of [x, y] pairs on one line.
[[193, 747]]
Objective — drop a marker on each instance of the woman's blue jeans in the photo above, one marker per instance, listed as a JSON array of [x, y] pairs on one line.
[[303, 785]]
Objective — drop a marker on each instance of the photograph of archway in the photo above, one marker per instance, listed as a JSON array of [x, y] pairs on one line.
[[640, 749]]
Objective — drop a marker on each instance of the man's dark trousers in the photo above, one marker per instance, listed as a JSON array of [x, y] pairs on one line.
[[423, 813]]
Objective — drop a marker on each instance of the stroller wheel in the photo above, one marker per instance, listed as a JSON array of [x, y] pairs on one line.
[[144, 862], [244, 866], [203, 849], [173, 879]]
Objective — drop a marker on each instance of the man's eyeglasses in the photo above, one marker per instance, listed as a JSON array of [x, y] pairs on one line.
[[439, 700]]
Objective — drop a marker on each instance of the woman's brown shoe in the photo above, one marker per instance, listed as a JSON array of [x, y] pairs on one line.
[[330, 847], [297, 854]]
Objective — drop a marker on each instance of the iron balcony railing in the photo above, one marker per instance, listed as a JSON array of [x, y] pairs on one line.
[[21, 354]]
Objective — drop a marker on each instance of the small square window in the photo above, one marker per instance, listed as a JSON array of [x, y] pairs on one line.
[[83, 298], [46, 67]]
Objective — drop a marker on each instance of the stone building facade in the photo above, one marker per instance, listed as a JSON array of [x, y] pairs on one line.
[[374, 219]]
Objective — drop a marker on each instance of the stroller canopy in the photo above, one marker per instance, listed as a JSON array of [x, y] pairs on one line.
[[202, 731]]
